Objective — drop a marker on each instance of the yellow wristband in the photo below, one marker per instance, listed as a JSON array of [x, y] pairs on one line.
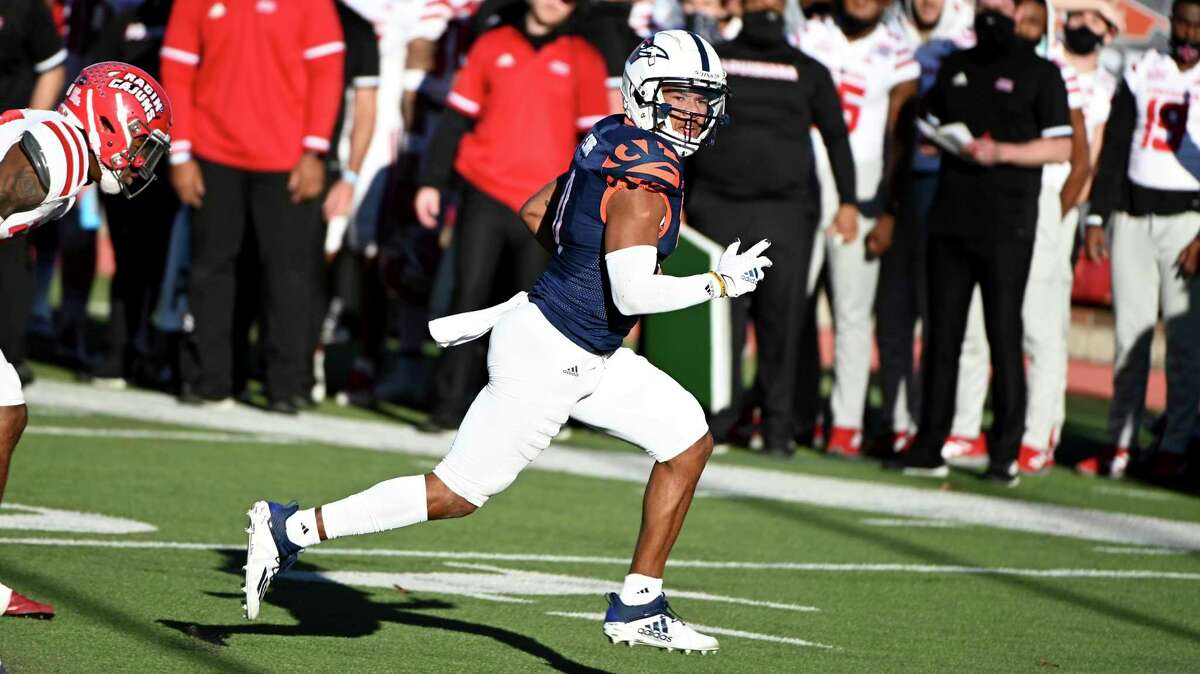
[[721, 283]]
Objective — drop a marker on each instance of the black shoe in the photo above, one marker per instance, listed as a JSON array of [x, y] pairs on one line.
[[783, 453], [284, 406], [1001, 478], [909, 463]]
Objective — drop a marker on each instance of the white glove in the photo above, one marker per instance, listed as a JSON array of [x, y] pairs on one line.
[[740, 272]]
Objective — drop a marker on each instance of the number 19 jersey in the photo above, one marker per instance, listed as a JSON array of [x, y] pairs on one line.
[[574, 293], [1164, 153]]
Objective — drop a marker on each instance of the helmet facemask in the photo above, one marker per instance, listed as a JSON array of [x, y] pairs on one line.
[[687, 129], [130, 171]]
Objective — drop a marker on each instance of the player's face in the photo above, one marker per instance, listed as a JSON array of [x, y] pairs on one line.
[[689, 110], [864, 10], [1089, 19], [551, 13], [928, 12], [1030, 19], [1185, 22]]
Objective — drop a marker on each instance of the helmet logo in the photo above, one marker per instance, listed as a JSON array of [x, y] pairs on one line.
[[141, 90], [649, 51]]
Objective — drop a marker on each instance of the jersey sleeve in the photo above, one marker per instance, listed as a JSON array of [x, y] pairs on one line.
[[904, 64], [43, 43], [592, 95], [179, 56], [61, 150], [324, 65], [1071, 80], [644, 163], [469, 93]]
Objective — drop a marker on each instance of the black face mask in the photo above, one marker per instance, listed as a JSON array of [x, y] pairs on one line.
[[821, 8], [993, 32], [1184, 52], [854, 26], [762, 28], [1081, 40]]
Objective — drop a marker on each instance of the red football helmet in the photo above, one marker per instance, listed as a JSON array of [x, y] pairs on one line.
[[126, 116]]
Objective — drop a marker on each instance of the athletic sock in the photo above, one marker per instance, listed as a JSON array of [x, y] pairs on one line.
[[639, 589], [388, 505], [302, 528]]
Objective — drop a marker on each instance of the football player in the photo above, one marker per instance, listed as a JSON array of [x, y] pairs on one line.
[[555, 352], [111, 129]]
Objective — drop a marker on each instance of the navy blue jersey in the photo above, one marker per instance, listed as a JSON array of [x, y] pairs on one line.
[[573, 293]]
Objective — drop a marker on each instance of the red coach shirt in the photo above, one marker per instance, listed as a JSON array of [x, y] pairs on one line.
[[253, 83], [529, 107]]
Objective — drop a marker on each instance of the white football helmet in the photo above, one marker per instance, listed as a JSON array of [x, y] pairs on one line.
[[675, 60]]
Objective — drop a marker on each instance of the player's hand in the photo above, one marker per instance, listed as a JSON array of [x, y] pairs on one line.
[[985, 151], [339, 200], [742, 271], [1189, 259], [188, 182], [307, 178], [880, 239], [844, 228], [428, 206], [1095, 243]]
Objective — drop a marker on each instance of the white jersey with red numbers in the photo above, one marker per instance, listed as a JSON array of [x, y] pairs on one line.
[[864, 72], [1165, 152], [1054, 176], [1097, 89], [64, 153]]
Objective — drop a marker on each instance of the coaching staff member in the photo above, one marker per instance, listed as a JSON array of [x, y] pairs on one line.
[[982, 226], [255, 89], [754, 184]]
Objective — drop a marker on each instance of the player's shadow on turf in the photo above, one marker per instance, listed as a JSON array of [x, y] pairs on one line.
[[336, 610]]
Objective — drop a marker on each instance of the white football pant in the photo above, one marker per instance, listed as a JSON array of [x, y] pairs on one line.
[[10, 385], [536, 379], [852, 281], [1145, 278]]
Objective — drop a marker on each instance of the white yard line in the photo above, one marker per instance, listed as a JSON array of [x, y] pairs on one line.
[[1139, 551], [150, 434], [711, 630], [929, 524], [816, 567], [759, 483]]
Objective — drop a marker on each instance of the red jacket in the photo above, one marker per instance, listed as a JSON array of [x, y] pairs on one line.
[[253, 83]]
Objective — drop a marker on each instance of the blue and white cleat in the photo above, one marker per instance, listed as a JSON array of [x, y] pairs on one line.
[[653, 624], [268, 552]]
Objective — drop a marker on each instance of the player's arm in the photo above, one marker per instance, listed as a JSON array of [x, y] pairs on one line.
[[538, 213], [630, 237], [20, 187], [896, 143], [1110, 170], [1080, 163]]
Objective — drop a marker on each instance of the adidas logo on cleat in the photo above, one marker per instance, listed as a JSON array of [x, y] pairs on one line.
[[573, 371], [656, 630]]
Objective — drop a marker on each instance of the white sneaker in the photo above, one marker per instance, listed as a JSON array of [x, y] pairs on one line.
[[653, 624], [268, 551]]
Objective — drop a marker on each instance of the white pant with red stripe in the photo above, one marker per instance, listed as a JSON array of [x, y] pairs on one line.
[[852, 280]]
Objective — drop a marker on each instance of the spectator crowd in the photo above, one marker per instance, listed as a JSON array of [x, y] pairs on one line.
[[342, 171]]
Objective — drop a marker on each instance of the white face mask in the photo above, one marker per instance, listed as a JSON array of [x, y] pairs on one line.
[[109, 184]]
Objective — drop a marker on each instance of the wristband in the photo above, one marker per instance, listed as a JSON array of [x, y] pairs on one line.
[[413, 79], [720, 283], [349, 176], [1094, 220]]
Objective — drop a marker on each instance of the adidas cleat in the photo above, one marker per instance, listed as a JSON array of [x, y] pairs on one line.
[[268, 551], [653, 624]]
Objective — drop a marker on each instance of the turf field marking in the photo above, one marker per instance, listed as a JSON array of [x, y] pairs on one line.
[[34, 518], [499, 584], [712, 630], [150, 434], [1134, 493], [932, 524], [1116, 574], [1139, 551], [743, 481]]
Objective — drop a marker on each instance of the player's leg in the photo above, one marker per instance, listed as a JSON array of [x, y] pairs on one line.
[[529, 396], [895, 320], [13, 417], [1003, 269], [1042, 316], [1135, 286], [637, 402], [852, 279], [1181, 315]]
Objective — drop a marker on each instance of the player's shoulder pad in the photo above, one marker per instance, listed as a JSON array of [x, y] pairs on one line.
[[641, 159], [58, 152]]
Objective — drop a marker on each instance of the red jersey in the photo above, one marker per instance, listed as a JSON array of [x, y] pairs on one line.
[[253, 83], [529, 108]]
